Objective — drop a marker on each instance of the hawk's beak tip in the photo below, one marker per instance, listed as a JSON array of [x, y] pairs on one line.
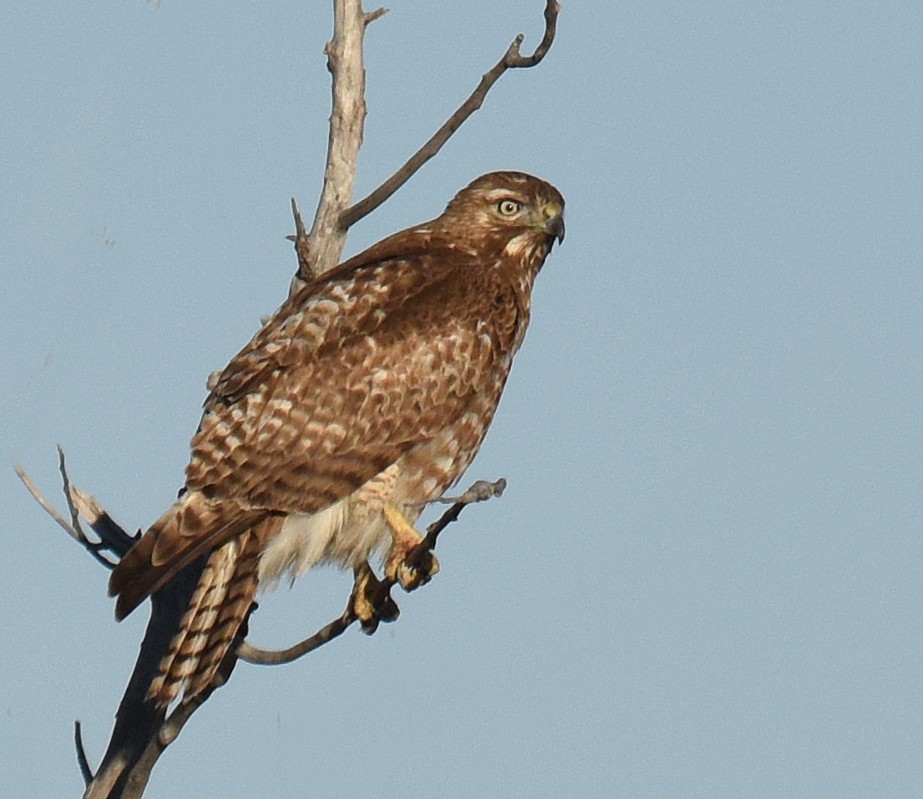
[[555, 228]]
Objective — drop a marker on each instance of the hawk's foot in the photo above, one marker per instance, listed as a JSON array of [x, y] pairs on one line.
[[370, 600], [410, 561]]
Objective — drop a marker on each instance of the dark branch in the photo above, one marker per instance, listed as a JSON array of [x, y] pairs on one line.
[[84, 764], [512, 59]]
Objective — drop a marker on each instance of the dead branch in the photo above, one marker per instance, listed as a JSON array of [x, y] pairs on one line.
[[334, 215], [302, 248], [268, 657], [112, 538], [512, 59], [347, 120], [142, 732]]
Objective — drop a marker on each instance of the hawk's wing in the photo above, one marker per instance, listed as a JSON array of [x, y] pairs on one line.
[[332, 391], [373, 358]]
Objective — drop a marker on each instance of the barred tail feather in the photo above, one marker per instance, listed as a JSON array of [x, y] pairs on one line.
[[217, 609], [233, 612]]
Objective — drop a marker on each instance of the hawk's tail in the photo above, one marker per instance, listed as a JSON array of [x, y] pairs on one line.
[[229, 538], [219, 606]]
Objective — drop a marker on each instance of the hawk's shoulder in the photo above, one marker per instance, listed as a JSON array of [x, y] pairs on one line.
[[408, 279]]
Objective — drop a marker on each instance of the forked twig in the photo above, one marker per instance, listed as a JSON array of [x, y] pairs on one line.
[[512, 59], [112, 538], [306, 270]]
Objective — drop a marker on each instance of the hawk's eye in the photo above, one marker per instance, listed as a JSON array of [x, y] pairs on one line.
[[509, 207]]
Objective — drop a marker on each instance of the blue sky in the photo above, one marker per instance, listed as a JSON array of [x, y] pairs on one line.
[[705, 576]]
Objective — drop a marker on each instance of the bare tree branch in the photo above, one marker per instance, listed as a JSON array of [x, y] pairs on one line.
[[112, 538], [512, 59], [125, 775], [52, 511], [149, 731], [347, 120], [371, 16], [142, 731]]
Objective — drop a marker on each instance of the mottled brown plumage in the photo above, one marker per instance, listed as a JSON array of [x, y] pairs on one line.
[[367, 394]]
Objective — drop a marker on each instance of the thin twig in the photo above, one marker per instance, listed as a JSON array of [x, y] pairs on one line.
[[112, 537], [48, 507], [302, 250], [75, 531], [480, 491], [75, 517], [269, 657], [512, 59]]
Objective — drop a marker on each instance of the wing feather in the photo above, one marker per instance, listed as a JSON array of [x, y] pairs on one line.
[[350, 374]]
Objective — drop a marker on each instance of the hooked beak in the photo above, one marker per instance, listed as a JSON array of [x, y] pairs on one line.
[[554, 221]]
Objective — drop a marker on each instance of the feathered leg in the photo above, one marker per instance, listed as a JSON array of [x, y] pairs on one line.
[[405, 538]]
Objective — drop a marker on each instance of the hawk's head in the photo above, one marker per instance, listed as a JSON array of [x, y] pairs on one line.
[[518, 212]]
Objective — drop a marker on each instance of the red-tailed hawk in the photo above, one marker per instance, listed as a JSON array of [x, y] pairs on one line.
[[363, 398]]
